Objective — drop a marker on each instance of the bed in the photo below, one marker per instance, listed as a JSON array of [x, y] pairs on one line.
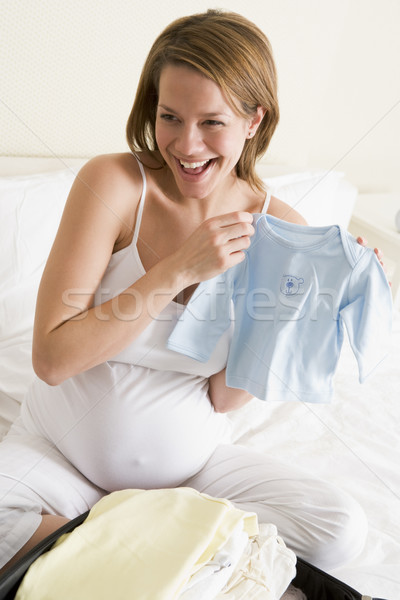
[[353, 441]]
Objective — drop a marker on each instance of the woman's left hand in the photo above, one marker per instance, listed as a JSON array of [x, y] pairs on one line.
[[363, 242]]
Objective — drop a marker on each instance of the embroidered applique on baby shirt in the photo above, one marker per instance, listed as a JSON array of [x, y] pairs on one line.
[[290, 300]]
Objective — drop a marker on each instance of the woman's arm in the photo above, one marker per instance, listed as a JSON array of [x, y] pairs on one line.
[[224, 398], [70, 334]]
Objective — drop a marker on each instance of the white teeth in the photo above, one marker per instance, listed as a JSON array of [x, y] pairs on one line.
[[193, 165]]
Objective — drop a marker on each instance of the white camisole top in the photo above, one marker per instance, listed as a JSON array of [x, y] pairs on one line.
[[143, 419]]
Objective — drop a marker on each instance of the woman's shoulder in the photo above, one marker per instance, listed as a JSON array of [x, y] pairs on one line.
[[119, 167], [113, 178], [122, 168], [279, 209], [109, 184]]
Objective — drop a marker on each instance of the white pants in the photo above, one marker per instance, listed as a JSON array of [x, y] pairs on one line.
[[318, 521]]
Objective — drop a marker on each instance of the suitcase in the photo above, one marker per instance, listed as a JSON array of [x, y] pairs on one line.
[[316, 584]]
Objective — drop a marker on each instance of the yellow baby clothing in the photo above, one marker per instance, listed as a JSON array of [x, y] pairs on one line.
[[136, 544]]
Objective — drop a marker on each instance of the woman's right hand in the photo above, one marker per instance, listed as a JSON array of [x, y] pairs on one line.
[[215, 246]]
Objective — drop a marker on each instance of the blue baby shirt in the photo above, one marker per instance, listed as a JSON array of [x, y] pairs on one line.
[[291, 297]]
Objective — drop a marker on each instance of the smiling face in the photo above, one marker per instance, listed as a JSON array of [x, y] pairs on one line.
[[199, 135]]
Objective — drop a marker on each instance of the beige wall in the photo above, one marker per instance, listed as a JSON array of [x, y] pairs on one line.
[[69, 69]]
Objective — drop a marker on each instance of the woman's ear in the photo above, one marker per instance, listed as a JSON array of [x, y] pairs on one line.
[[256, 120]]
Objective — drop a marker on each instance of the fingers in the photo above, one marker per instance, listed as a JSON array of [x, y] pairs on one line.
[[230, 232], [379, 254], [228, 243], [362, 241], [237, 231], [230, 226], [232, 218], [216, 245], [237, 244]]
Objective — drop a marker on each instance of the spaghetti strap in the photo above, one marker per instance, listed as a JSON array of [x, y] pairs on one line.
[[266, 202], [141, 201]]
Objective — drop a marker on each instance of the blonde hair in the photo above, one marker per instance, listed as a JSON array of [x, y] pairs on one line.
[[229, 50]]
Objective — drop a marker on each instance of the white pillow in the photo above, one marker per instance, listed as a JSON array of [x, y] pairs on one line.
[[321, 197], [30, 211]]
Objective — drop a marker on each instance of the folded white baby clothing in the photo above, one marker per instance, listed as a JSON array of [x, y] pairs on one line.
[[264, 571], [259, 568], [212, 577]]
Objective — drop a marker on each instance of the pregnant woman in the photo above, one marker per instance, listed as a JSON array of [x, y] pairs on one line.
[[112, 407]]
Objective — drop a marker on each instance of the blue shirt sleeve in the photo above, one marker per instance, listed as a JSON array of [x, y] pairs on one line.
[[204, 320], [368, 314]]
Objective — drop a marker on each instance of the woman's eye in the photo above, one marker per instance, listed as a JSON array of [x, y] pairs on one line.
[[167, 117], [212, 122]]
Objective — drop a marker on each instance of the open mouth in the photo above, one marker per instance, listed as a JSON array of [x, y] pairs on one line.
[[195, 168]]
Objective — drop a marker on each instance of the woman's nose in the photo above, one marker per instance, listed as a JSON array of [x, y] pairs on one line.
[[189, 141]]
